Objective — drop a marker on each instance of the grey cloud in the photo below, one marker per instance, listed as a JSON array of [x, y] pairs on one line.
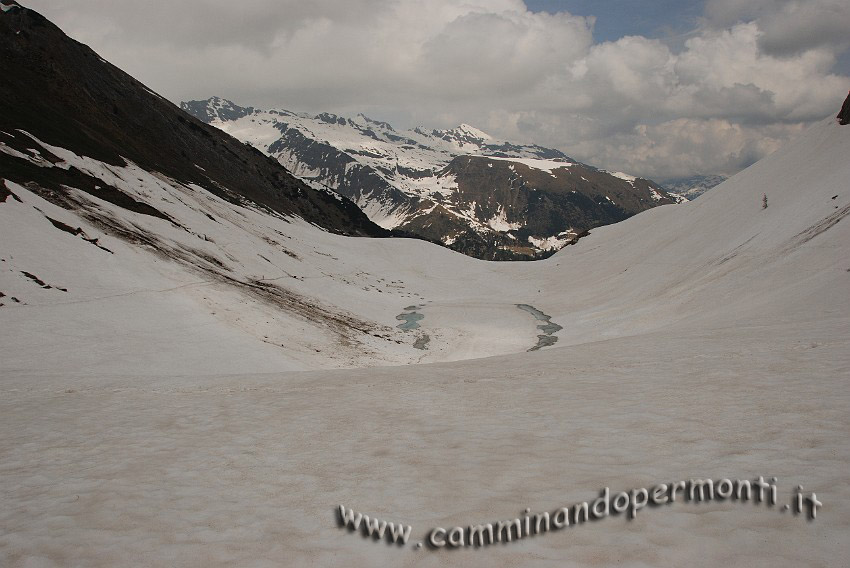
[[799, 27], [726, 13], [199, 24], [788, 26]]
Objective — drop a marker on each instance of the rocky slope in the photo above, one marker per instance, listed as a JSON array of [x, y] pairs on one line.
[[487, 198]]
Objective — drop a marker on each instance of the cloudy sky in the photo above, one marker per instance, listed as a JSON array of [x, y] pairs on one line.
[[658, 88]]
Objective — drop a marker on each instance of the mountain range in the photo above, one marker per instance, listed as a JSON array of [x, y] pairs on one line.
[[487, 198]]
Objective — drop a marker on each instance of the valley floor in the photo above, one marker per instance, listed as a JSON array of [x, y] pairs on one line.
[[249, 469]]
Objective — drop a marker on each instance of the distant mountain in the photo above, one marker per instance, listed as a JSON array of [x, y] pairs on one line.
[[692, 187], [487, 198], [57, 92]]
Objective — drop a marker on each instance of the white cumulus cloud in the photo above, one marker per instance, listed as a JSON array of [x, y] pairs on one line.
[[751, 75]]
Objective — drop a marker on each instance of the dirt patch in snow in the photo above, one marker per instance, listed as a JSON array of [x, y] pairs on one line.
[[818, 228]]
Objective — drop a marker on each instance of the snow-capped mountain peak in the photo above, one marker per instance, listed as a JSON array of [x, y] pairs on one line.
[[472, 131], [467, 133]]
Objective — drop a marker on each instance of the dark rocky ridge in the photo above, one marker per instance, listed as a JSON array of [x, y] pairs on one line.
[[62, 92], [844, 113]]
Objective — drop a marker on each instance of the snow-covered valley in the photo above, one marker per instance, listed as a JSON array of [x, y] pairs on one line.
[[178, 403]]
